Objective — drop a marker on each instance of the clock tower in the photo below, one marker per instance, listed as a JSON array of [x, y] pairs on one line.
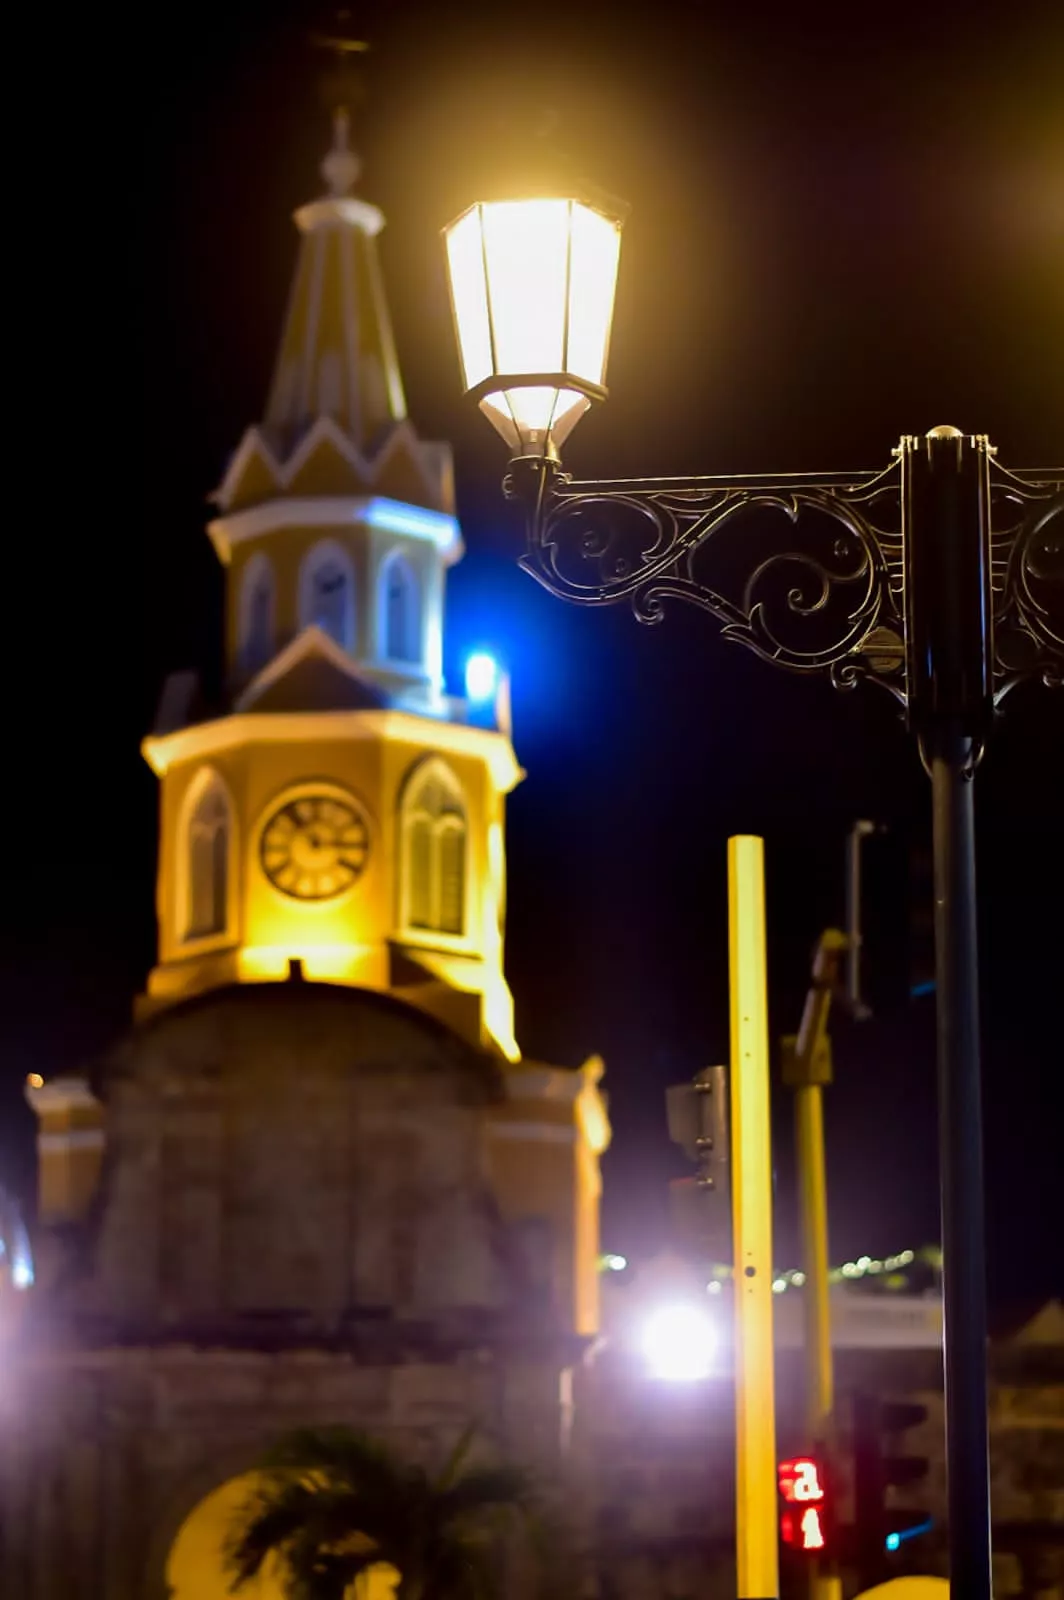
[[340, 817], [314, 1183]]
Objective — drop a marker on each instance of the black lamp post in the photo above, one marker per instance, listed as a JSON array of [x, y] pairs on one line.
[[939, 578]]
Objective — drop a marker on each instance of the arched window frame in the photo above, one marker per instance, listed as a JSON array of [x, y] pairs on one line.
[[326, 551], [257, 576], [398, 561], [444, 822], [207, 785]]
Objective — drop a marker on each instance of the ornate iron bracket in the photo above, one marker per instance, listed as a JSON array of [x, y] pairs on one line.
[[807, 570]]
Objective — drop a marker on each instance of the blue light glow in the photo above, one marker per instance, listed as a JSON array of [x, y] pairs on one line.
[[481, 676], [894, 1540]]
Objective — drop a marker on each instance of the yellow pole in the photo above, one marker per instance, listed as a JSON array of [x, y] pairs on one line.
[[756, 1536], [820, 1385], [807, 1068], [824, 1584]]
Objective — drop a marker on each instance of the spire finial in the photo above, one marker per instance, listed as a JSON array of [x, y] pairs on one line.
[[341, 166], [342, 90]]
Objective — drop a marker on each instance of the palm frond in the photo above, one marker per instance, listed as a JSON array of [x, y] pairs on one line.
[[316, 1573], [267, 1522], [340, 1452], [293, 1518], [457, 1458], [385, 1490], [332, 1503], [505, 1487]]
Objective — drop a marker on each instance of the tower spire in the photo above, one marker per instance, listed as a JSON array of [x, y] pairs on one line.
[[337, 359]]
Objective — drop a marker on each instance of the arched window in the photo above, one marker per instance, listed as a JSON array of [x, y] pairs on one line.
[[256, 613], [327, 592], [433, 831], [207, 842], [399, 614]]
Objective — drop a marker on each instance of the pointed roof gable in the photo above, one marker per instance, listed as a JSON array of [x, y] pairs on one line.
[[336, 421], [327, 462], [313, 673]]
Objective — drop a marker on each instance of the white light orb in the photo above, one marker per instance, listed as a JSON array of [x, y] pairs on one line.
[[481, 676], [679, 1342]]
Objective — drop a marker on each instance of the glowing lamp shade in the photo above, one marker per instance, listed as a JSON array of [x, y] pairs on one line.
[[679, 1343], [532, 287]]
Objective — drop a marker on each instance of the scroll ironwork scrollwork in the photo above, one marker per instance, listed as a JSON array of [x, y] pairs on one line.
[[807, 570], [1027, 576]]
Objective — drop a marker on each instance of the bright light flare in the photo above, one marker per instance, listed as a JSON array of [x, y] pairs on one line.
[[481, 677], [679, 1342]]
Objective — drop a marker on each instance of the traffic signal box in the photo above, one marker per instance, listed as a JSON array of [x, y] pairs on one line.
[[879, 1465], [700, 1206], [806, 1513]]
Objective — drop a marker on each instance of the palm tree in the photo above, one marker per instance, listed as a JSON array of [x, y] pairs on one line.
[[334, 1504]]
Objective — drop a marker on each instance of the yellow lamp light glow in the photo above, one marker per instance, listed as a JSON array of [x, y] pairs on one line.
[[532, 289]]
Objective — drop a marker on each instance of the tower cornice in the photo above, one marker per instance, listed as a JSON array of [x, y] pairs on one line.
[[334, 511], [206, 739], [340, 211]]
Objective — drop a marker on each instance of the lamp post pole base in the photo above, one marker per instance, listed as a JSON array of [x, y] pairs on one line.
[[961, 1168]]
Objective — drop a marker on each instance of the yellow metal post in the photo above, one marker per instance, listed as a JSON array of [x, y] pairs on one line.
[[824, 1584], [820, 1383], [807, 1068], [756, 1534]]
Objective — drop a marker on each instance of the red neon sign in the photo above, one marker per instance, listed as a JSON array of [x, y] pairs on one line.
[[801, 1486], [800, 1481], [803, 1530]]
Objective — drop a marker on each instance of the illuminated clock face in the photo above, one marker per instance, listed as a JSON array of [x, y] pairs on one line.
[[315, 847]]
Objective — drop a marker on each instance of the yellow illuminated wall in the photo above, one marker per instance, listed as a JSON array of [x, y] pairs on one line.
[[264, 761], [195, 1569]]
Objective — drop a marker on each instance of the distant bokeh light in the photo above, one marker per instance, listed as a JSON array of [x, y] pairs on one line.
[[679, 1342]]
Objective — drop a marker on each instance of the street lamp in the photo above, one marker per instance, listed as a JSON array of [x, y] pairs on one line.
[[939, 578], [532, 291]]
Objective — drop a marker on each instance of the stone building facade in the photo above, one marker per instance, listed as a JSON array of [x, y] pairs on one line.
[[297, 1222]]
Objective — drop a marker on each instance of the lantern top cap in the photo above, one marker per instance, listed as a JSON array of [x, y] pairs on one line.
[[583, 194]]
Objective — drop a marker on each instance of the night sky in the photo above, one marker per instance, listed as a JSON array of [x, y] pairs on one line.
[[838, 234]]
